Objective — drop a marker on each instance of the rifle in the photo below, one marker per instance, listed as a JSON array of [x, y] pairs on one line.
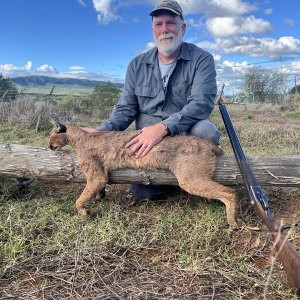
[[286, 252]]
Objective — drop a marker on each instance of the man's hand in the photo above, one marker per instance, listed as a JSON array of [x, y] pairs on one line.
[[89, 130], [149, 137]]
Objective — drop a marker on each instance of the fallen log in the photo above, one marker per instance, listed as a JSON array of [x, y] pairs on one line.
[[27, 162]]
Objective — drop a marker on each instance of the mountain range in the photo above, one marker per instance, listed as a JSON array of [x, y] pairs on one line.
[[37, 81]]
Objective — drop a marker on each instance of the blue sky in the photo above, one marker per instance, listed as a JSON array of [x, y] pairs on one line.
[[96, 39]]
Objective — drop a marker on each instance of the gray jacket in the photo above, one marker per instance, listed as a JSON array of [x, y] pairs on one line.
[[188, 98]]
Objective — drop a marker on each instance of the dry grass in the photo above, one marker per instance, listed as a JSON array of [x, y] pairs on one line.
[[180, 248], [263, 129]]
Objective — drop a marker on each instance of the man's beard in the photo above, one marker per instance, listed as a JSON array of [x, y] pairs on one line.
[[167, 44]]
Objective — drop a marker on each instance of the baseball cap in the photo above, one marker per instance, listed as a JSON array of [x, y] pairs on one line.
[[169, 5]]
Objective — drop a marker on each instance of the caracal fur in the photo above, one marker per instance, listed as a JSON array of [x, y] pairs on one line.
[[191, 159]]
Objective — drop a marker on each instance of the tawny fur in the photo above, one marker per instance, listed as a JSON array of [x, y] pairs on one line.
[[191, 159]]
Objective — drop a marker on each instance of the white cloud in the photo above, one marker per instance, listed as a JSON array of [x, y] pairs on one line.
[[81, 2], [231, 74], [148, 46], [76, 68], [228, 26], [217, 58], [13, 70], [28, 66], [289, 22], [46, 69], [295, 66], [217, 8], [196, 24], [286, 45], [107, 11], [268, 11]]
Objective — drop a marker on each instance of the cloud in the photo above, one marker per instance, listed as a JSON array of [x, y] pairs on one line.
[[217, 58], [231, 74], [268, 11], [76, 68], [46, 69], [233, 26], [28, 66], [13, 70], [217, 8], [107, 11], [286, 45], [289, 22], [148, 46], [196, 24], [81, 2]]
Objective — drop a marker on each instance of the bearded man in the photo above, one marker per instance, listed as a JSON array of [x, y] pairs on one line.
[[168, 90]]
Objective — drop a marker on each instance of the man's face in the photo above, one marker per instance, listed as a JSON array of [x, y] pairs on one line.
[[168, 31]]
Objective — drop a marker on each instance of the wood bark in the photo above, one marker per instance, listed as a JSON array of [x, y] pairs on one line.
[[27, 162]]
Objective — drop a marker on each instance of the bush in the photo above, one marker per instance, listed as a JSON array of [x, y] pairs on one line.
[[8, 91], [27, 112], [104, 96], [295, 89]]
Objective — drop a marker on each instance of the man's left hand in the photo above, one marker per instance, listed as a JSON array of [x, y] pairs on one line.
[[149, 137]]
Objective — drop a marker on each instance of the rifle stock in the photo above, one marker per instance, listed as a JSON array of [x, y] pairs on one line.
[[286, 252]]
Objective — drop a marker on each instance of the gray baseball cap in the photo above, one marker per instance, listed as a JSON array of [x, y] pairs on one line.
[[168, 5]]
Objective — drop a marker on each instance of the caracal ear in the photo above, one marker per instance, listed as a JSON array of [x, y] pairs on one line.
[[53, 122], [60, 128]]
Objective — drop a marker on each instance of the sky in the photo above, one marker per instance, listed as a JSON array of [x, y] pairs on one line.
[[96, 39]]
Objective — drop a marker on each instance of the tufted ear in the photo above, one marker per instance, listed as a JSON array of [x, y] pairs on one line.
[[60, 128]]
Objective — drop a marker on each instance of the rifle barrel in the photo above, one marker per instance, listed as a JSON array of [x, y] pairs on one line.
[[287, 253]]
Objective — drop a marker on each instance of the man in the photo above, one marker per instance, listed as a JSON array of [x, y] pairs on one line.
[[168, 90]]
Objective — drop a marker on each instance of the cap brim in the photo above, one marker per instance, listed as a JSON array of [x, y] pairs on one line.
[[155, 11]]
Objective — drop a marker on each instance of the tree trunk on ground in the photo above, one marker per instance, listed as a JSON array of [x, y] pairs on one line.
[[22, 162]]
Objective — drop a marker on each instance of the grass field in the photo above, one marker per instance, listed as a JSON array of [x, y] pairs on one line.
[[180, 248], [58, 90]]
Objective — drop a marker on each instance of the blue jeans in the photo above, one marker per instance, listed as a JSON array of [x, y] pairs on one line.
[[203, 129]]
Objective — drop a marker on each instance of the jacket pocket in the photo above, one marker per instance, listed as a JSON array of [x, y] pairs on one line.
[[147, 99], [180, 94]]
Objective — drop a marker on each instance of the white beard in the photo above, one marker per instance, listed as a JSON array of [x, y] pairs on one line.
[[167, 44]]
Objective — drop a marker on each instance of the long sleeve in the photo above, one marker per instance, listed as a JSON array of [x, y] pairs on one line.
[[127, 107]]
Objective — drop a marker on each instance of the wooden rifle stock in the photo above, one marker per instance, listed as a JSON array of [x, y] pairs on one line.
[[286, 252]]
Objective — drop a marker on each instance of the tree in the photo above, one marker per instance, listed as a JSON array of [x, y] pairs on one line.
[[295, 89], [105, 96], [8, 91], [264, 85]]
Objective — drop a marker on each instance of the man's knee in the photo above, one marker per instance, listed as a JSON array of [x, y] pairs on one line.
[[206, 130]]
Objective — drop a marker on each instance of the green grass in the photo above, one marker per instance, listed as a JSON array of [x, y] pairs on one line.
[[292, 114], [184, 243], [181, 248], [21, 135], [59, 90]]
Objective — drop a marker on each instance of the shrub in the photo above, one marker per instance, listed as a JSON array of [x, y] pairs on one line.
[[8, 91], [27, 112], [104, 96]]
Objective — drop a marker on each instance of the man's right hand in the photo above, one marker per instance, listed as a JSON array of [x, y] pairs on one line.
[[149, 137]]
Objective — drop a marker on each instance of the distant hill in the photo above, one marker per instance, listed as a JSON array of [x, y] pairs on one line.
[[39, 81]]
